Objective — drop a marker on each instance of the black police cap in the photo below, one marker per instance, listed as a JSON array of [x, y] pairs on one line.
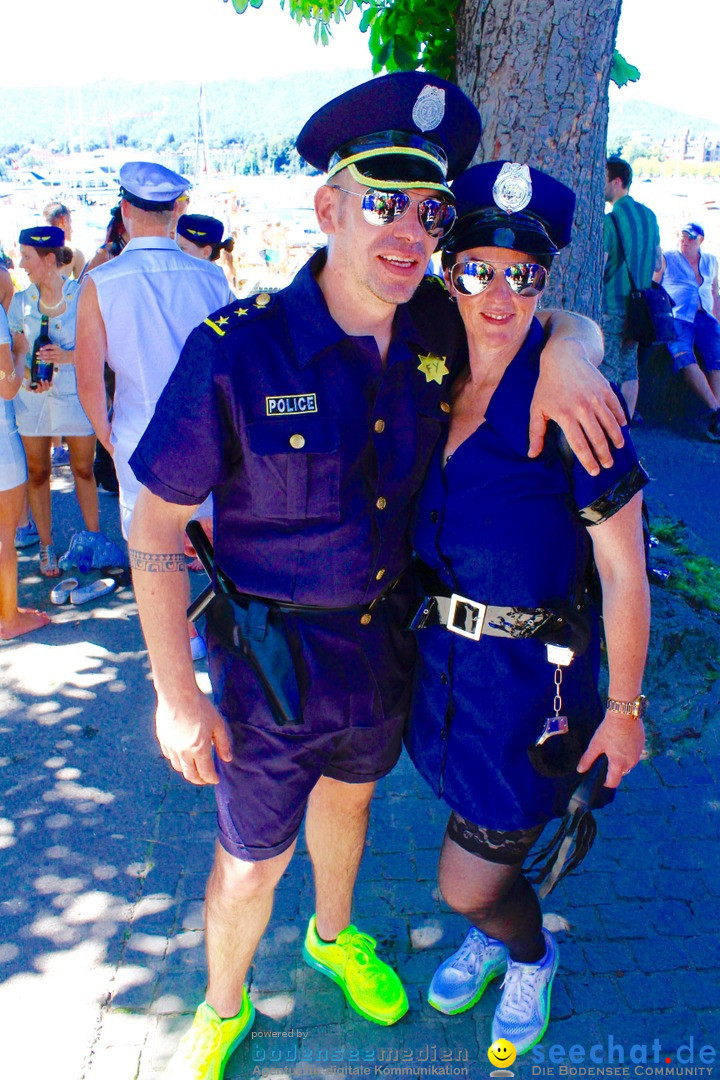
[[409, 128], [511, 205]]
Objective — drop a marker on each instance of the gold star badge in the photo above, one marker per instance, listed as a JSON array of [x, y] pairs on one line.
[[433, 368], [222, 320], [240, 311]]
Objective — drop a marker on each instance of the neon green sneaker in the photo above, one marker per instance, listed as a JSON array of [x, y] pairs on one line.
[[204, 1050], [370, 986]]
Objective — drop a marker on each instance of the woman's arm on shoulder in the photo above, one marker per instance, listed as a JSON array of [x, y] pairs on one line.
[[620, 557]]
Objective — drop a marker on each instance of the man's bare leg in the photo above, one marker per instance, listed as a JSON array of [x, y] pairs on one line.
[[238, 905], [335, 829], [713, 378], [694, 375]]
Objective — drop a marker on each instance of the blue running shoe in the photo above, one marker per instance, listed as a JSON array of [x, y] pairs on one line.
[[524, 1010], [460, 981], [27, 535]]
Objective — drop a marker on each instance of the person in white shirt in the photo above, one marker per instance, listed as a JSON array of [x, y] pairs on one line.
[[136, 311]]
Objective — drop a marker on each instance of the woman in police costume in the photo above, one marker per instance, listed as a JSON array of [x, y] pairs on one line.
[[498, 685]]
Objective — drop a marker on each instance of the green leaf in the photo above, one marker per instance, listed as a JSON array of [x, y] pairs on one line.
[[384, 53], [622, 71], [240, 5], [367, 20], [401, 53]]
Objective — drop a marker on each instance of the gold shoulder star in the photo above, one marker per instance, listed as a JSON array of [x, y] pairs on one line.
[[433, 367], [222, 320], [240, 311]]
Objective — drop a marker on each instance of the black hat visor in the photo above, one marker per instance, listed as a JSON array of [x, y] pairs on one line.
[[494, 228]]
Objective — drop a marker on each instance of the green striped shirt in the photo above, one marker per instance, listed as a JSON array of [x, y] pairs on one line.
[[641, 237]]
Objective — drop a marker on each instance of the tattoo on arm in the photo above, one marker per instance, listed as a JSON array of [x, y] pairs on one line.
[[167, 563]]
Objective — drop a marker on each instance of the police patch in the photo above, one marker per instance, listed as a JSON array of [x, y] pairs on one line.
[[290, 404]]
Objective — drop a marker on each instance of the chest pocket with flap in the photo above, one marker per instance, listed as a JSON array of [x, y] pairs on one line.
[[294, 468]]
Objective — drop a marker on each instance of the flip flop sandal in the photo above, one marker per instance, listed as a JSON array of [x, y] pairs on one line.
[[97, 588], [61, 592], [48, 562]]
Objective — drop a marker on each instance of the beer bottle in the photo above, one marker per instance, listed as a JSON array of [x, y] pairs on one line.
[[40, 369]]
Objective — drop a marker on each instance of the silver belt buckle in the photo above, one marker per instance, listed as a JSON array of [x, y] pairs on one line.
[[478, 615]]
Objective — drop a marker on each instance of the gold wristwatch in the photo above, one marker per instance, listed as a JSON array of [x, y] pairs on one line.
[[636, 709]]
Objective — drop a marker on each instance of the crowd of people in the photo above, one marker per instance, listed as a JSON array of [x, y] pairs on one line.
[[321, 434]]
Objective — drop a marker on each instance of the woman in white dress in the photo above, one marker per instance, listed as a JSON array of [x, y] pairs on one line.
[[14, 621], [53, 408]]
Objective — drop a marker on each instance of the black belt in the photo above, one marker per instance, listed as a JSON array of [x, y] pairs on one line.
[[203, 549], [471, 619]]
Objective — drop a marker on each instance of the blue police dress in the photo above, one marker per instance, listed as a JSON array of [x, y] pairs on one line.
[[314, 454], [503, 529]]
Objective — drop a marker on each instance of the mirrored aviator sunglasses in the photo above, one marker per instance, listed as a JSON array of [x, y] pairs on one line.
[[437, 216], [472, 277]]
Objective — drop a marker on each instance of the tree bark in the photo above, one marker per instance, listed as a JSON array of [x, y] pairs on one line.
[[538, 70]]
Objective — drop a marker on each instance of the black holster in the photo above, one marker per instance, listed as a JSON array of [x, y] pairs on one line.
[[256, 631]]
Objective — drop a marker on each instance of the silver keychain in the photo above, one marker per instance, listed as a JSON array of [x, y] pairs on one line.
[[558, 724]]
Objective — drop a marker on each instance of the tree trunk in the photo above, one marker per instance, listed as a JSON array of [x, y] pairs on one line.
[[538, 72]]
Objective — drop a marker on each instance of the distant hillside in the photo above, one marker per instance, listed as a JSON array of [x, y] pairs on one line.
[[630, 118], [147, 113]]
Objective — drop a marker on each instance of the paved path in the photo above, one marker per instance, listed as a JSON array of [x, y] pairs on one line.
[[105, 853]]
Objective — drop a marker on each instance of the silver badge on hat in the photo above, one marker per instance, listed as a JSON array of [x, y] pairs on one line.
[[429, 108], [512, 190]]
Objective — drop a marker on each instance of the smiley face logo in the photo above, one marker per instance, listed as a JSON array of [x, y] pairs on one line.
[[502, 1053]]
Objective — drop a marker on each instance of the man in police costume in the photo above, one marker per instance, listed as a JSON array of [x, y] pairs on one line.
[[311, 415]]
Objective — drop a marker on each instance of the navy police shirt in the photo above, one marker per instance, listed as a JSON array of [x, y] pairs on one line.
[[312, 451], [314, 454]]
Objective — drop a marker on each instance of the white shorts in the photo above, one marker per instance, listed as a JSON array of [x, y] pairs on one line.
[[57, 412]]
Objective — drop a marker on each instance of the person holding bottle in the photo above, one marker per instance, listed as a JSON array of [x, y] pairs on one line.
[[51, 406]]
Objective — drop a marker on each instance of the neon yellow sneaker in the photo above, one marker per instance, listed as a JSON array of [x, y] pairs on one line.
[[370, 986], [204, 1050]]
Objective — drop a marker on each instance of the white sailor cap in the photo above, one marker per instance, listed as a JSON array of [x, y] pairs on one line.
[[150, 186]]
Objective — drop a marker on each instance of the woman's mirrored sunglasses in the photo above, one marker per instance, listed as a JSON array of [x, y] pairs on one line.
[[437, 216], [471, 277]]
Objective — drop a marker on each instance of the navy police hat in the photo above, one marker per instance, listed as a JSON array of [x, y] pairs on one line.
[[43, 236], [693, 230], [410, 128], [200, 229], [510, 205], [150, 186]]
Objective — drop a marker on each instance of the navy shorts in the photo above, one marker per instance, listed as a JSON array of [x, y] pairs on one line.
[[355, 686], [263, 791], [704, 335]]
